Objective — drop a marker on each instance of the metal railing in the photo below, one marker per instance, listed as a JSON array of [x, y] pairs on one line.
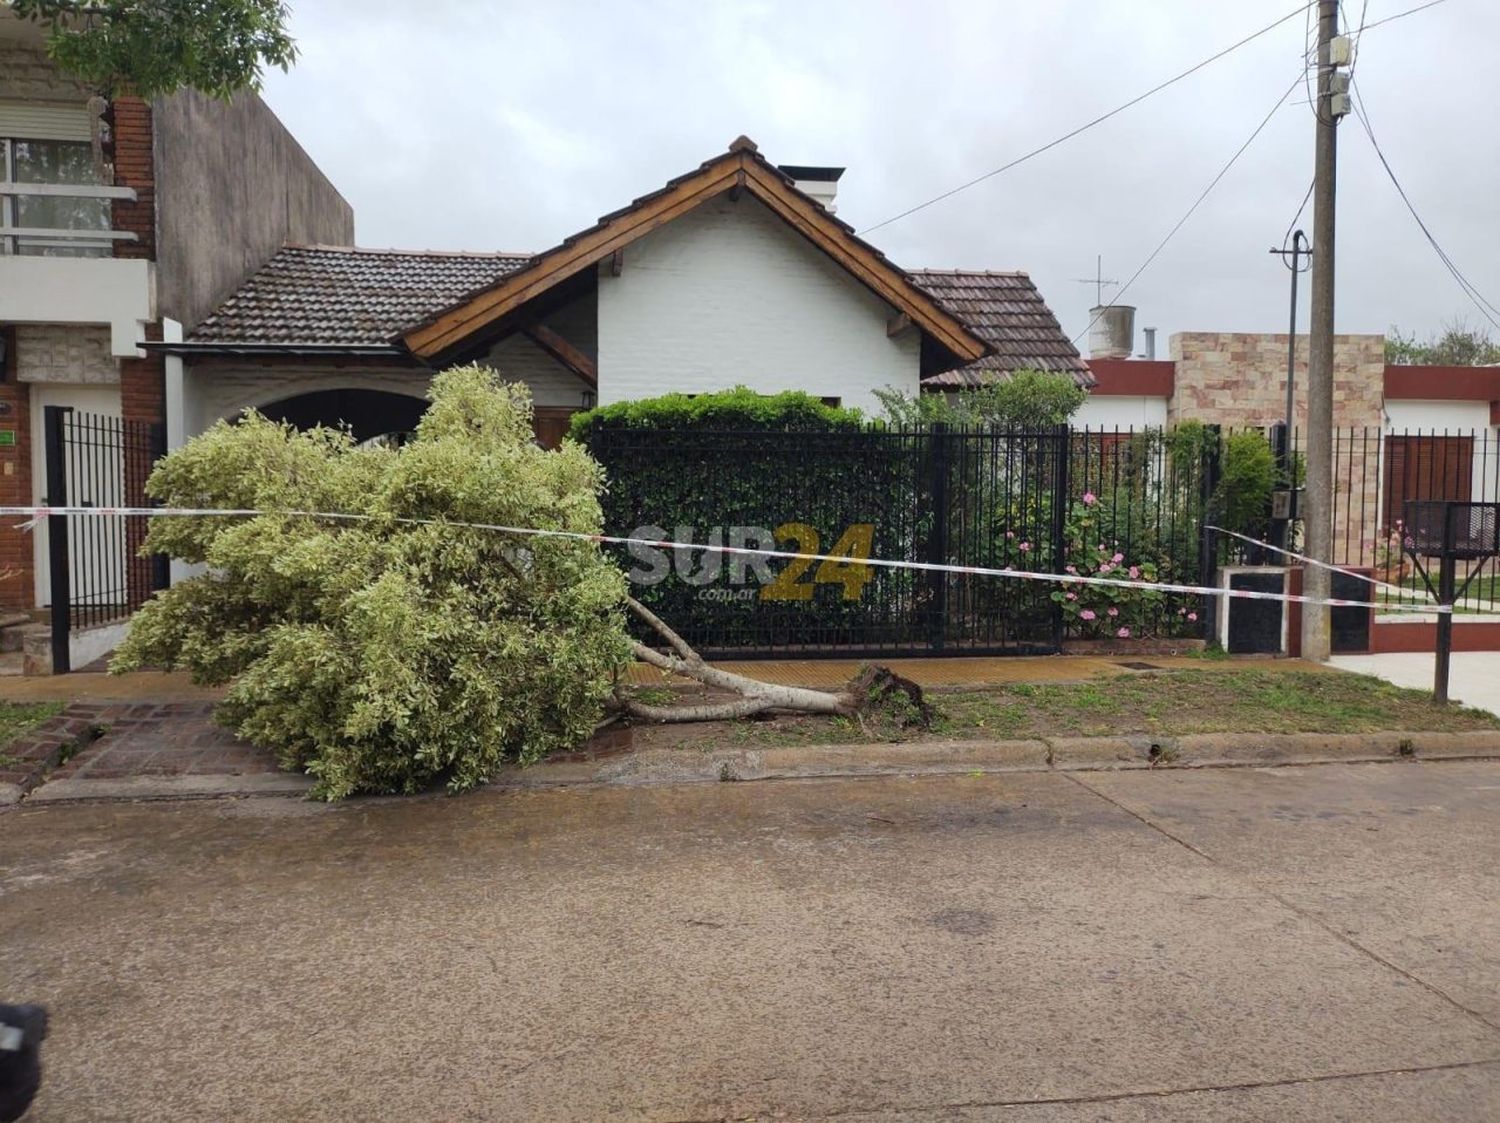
[[16, 239]]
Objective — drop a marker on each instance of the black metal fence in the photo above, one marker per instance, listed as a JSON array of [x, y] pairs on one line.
[[1376, 473], [1128, 503], [95, 572]]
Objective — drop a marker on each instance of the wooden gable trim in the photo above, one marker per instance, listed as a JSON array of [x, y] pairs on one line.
[[738, 169], [451, 328], [564, 352]]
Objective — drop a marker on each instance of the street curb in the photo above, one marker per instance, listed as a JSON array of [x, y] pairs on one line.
[[1053, 754], [170, 787]]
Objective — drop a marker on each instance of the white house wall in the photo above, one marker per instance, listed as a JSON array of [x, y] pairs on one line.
[[1452, 418], [1110, 412], [1434, 416], [730, 295], [214, 390]]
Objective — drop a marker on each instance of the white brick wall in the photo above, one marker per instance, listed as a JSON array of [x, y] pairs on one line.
[[64, 353], [212, 390], [729, 294], [552, 384]]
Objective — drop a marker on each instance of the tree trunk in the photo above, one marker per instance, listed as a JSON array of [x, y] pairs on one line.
[[874, 687]]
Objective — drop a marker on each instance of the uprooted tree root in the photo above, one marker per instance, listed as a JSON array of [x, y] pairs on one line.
[[874, 691]]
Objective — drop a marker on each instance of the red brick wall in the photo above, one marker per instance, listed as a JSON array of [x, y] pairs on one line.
[[142, 380], [17, 591], [133, 159]]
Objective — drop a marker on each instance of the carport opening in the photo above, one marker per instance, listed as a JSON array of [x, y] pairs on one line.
[[371, 416]]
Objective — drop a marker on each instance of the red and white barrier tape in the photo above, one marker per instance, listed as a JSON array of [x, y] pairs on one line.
[[1365, 577], [35, 513]]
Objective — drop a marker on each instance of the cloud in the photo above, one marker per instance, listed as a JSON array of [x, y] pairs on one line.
[[509, 125]]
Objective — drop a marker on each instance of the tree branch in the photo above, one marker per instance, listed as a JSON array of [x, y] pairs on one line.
[[659, 625]]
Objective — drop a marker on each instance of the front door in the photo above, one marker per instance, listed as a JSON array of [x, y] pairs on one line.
[[550, 424]]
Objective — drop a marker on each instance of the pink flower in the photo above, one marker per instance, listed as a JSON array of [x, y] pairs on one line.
[[1073, 569], [1010, 534], [1024, 547], [1123, 633], [1105, 568], [1118, 558], [1089, 499], [1072, 596], [1087, 614], [1113, 611], [1135, 573], [1193, 616], [1182, 612]]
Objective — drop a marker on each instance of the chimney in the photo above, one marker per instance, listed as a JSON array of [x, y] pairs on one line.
[[822, 184], [1150, 336], [1112, 331]]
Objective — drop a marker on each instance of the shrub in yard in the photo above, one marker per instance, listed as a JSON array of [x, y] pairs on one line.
[[740, 409], [1028, 399], [384, 656]]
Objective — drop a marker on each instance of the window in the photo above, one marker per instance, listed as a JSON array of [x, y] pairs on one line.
[[51, 163]]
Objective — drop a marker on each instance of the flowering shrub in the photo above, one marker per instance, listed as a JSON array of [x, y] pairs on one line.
[[1093, 550]]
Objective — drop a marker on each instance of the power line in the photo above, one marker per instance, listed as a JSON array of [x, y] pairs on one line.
[[1085, 127], [1402, 15], [1297, 81], [1290, 226], [1474, 295]]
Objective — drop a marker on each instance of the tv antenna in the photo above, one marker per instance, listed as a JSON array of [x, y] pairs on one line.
[[1098, 280]]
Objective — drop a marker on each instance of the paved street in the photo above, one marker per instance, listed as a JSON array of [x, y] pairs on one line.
[[1313, 942]]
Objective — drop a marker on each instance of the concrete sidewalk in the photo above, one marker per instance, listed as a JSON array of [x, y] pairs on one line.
[[1293, 944], [1473, 676]]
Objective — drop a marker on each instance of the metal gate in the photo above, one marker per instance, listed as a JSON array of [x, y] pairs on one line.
[[96, 572]]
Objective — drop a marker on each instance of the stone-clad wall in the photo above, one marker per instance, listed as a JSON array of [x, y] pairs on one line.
[[1236, 379], [27, 74]]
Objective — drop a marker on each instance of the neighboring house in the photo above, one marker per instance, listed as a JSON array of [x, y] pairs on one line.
[[736, 273], [121, 223], [1401, 433]]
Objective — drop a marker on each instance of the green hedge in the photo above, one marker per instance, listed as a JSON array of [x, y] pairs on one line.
[[740, 410]]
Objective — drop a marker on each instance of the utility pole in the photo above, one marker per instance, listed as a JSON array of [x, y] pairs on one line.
[[1332, 103]]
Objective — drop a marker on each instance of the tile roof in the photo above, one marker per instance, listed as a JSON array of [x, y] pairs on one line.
[[331, 296], [1007, 312], [338, 295]]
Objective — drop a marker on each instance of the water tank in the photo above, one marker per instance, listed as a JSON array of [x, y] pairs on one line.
[[1113, 333]]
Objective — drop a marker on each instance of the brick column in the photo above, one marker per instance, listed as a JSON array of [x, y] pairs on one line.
[[142, 403], [142, 380], [131, 135], [18, 589]]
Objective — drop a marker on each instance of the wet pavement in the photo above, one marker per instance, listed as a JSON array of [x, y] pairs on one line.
[[1314, 942]]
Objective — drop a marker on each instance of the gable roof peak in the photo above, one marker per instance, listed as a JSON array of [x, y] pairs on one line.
[[742, 143]]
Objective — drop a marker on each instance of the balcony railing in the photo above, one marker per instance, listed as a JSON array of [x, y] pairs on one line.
[[19, 239]]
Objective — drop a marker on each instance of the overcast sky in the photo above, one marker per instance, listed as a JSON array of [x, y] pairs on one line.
[[456, 124]]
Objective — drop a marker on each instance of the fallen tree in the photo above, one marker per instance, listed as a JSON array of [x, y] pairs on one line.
[[399, 648]]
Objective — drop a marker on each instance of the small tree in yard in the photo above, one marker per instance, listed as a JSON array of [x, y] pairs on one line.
[[383, 656], [1028, 399], [396, 649]]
